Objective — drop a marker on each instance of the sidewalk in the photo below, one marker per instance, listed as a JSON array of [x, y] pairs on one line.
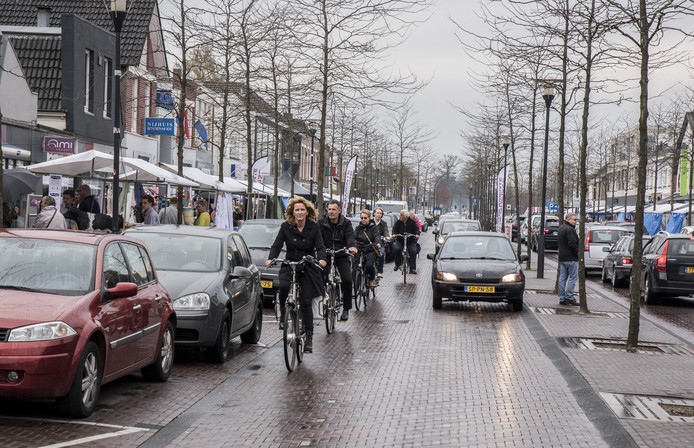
[[650, 393]]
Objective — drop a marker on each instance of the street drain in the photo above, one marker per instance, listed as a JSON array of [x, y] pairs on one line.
[[574, 312], [642, 407], [390, 322], [649, 348]]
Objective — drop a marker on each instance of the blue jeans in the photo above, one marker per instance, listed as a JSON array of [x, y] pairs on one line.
[[411, 249], [568, 274]]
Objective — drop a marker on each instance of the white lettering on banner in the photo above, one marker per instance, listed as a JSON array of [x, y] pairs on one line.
[[500, 192], [349, 174]]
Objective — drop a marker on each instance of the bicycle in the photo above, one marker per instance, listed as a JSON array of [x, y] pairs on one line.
[[294, 335], [405, 255], [332, 302], [361, 284]]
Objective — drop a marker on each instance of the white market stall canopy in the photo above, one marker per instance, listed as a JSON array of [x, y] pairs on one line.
[[76, 164], [207, 181], [266, 189], [149, 172]]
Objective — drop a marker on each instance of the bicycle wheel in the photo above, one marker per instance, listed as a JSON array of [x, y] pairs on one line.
[[330, 311], [358, 290], [366, 288], [301, 335], [405, 267], [291, 337]]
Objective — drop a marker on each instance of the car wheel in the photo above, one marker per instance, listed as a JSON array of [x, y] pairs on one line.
[[517, 304], [160, 370], [252, 336], [219, 352], [648, 295], [616, 281], [604, 274], [81, 400]]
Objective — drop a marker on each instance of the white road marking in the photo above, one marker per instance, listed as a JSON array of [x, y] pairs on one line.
[[95, 438]]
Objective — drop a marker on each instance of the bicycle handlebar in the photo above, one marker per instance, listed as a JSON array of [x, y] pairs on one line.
[[404, 235], [304, 259]]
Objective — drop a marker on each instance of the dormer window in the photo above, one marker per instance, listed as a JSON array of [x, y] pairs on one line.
[[43, 17]]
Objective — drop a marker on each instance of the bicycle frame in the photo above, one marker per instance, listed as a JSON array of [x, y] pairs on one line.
[[332, 303], [405, 254]]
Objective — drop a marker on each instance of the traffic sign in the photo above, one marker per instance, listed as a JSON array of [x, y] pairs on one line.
[[552, 206]]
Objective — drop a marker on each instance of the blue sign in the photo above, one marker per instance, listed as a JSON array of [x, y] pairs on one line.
[[233, 170], [552, 206], [474, 202], [159, 126], [165, 100]]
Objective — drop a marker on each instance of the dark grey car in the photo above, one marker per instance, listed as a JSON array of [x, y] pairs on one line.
[[259, 234], [214, 285]]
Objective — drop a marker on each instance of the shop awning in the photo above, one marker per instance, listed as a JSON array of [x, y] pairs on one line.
[[76, 164], [149, 172], [15, 152]]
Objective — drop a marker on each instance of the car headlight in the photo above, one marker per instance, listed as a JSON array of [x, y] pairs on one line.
[[509, 278], [199, 301], [441, 240], [41, 332], [446, 277]]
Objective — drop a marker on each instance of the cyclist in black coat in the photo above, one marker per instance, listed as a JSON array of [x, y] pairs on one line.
[[406, 225], [368, 240], [302, 237], [337, 234]]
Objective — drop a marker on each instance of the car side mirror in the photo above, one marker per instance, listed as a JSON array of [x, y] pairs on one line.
[[431, 256], [524, 258], [606, 249], [241, 272], [121, 290], [435, 231]]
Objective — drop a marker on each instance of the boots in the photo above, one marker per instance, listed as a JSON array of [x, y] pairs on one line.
[[345, 316], [308, 345], [282, 319]]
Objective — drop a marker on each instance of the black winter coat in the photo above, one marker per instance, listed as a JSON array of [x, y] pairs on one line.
[[299, 244], [567, 243], [337, 236], [366, 235], [408, 226]]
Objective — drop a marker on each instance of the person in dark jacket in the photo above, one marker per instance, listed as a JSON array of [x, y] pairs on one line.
[[567, 241], [87, 202], [337, 234], [302, 237], [385, 236], [406, 225], [368, 241]]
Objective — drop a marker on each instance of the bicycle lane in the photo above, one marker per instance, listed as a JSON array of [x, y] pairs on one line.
[[397, 374]]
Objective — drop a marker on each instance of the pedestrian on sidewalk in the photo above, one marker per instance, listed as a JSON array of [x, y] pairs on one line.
[[567, 240]]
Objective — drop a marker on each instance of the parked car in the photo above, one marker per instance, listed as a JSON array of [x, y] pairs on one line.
[[392, 206], [514, 227], [213, 282], [688, 230], [599, 240], [477, 266], [529, 224], [616, 267], [630, 226], [422, 222], [259, 234], [453, 225], [79, 310], [667, 266], [550, 232]]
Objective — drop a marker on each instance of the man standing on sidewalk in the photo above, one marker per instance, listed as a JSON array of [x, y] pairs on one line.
[[567, 240]]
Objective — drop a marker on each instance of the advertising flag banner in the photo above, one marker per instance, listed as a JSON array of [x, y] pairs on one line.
[[684, 172], [257, 169], [500, 193], [349, 175], [202, 132]]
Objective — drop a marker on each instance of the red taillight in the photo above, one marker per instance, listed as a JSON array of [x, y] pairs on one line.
[[586, 248], [547, 232], [661, 262], [626, 260]]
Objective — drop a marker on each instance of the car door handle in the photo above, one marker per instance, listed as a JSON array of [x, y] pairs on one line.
[[158, 298], [137, 307]]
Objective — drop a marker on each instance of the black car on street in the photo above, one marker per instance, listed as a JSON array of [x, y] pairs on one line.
[[667, 267], [616, 267], [259, 234]]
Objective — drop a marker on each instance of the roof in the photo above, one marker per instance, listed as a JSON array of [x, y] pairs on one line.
[[74, 236], [477, 233], [181, 230], [135, 26], [40, 56]]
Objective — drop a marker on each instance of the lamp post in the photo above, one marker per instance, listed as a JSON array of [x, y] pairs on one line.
[[118, 13], [505, 142], [312, 128], [548, 96]]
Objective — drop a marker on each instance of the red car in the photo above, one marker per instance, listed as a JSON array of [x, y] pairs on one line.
[[78, 310]]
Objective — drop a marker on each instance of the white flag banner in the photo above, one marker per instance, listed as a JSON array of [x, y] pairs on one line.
[[500, 193], [258, 168], [349, 175]]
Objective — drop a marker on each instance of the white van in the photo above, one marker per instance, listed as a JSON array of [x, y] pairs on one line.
[[392, 206]]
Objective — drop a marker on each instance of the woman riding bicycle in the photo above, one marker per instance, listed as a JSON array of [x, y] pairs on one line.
[[369, 243], [301, 235], [382, 227]]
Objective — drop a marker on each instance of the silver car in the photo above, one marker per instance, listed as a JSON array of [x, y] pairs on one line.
[[214, 285], [599, 240]]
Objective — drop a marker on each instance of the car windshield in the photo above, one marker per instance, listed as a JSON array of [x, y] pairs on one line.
[[610, 236], [449, 227], [176, 252], [259, 235], [47, 266], [477, 247], [391, 208]]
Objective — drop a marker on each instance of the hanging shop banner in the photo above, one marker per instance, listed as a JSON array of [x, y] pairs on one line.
[[258, 167], [349, 175], [500, 199], [59, 145], [159, 126], [684, 172]]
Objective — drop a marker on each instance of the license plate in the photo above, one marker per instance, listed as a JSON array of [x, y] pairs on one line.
[[690, 270], [485, 289], [266, 283], [600, 263]]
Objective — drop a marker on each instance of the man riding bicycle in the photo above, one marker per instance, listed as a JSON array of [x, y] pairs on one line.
[[368, 240], [406, 225], [337, 233]]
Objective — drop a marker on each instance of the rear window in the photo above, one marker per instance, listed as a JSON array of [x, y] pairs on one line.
[[680, 247], [606, 236], [449, 227]]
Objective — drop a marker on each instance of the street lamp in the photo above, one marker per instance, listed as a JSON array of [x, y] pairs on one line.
[[118, 13], [548, 96], [505, 142], [312, 128]]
